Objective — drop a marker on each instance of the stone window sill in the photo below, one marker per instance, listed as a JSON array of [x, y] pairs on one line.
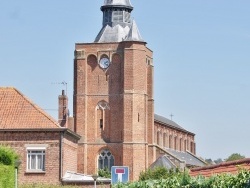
[[35, 172]]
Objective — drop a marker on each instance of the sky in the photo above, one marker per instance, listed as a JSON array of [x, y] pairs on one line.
[[201, 60]]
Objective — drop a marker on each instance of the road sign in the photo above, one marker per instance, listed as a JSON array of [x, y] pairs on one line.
[[119, 174]]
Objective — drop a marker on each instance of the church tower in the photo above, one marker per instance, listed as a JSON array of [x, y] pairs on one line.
[[113, 95]]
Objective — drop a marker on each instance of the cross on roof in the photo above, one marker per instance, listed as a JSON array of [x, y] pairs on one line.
[[171, 115]]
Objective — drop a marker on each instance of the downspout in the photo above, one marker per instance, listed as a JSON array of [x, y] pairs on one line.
[[61, 156]]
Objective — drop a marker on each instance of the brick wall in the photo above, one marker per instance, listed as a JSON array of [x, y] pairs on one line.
[[226, 167], [125, 86], [19, 140], [69, 154], [173, 138]]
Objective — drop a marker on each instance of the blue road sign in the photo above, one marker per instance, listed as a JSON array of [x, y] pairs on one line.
[[119, 174]]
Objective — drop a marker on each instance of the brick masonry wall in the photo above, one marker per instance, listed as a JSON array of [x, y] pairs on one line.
[[125, 86], [172, 138], [18, 140], [226, 167], [92, 151], [69, 155]]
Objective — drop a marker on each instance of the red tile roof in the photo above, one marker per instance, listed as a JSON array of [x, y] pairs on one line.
[[226, 167], [18, 112]]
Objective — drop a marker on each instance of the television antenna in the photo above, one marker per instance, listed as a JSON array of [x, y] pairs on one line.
[[62, 83]]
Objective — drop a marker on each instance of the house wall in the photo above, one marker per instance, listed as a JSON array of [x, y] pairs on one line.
[[70, 147], [19, 140]]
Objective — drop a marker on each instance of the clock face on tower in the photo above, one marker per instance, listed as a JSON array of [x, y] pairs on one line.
[[104, 62]]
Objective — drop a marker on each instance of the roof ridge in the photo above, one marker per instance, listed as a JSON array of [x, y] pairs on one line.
[[36, 107], [236, 162], [163, 119], [196, 156]]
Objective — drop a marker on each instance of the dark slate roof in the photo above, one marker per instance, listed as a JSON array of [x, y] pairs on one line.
[[163, 161], [190, 159], [168, 122]]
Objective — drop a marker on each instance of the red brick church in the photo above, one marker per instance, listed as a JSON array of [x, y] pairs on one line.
[[113, 121]]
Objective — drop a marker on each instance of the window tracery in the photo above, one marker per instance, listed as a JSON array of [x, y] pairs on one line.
[[105, 160]]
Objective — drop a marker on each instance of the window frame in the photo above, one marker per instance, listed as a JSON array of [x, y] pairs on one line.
[[37, 151]]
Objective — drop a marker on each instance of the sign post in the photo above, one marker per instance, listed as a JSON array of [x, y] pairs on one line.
[[119, 174]]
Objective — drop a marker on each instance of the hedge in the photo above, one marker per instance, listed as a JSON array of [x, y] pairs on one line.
[[183, 180]]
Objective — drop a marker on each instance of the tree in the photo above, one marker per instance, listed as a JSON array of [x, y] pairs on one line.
[[235, 156], [218, 161], [7, 155]]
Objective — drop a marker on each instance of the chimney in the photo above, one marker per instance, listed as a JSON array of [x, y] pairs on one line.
[[63, 110]]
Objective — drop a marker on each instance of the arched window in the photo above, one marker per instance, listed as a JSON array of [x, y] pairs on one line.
[[105, 160], [103, 105], [164, 139], [175, 143], [180, 144], [102, 114], [158, 137], [185, 145], [170, 141]]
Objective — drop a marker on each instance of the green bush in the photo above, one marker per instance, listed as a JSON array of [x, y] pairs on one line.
[[105, 173], [183, 180], [7, 156]]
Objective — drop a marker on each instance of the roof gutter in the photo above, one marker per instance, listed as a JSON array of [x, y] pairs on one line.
[[64, 130]]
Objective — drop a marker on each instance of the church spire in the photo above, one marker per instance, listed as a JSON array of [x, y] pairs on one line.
[[117, 24]]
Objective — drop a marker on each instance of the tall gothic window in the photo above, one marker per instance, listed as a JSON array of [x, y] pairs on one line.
[[175, 142], [180, 144], [170, 141], [158, 138], [105, 160], [103, 114], [164, 139]]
